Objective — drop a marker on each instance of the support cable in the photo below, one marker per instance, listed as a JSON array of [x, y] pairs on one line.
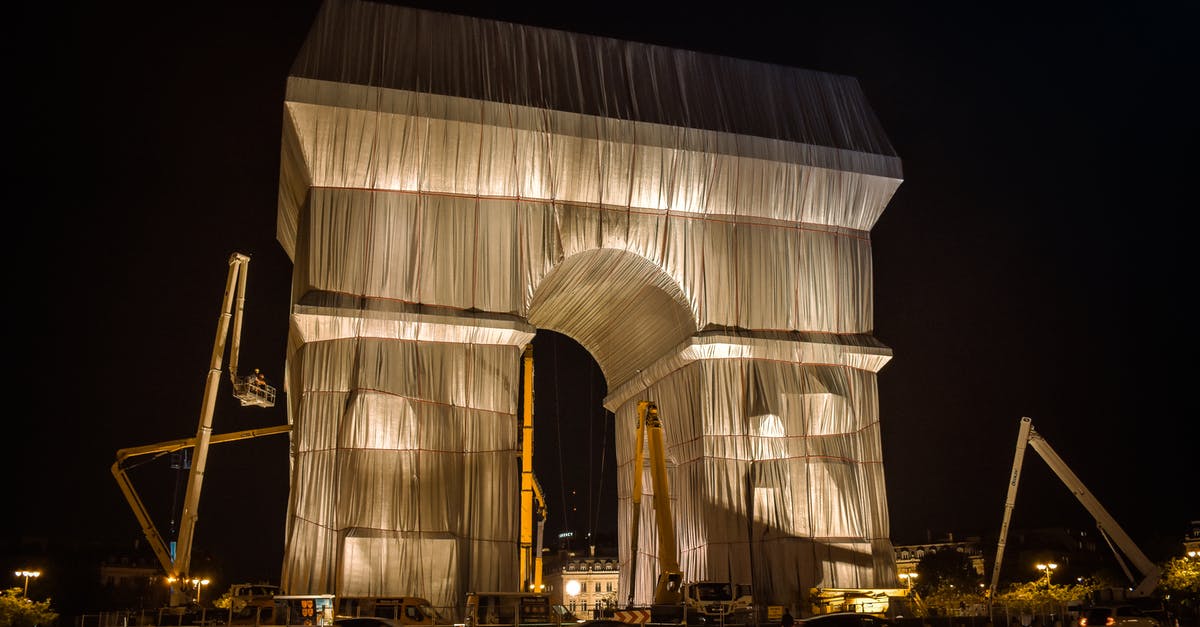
[[562, 484]]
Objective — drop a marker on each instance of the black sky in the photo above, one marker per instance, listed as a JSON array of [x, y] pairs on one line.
[[1036, 261]]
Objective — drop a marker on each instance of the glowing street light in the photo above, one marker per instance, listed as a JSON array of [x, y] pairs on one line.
[[199, 583], [27, 574], [573, 588], [1048, 569], [908, 579]]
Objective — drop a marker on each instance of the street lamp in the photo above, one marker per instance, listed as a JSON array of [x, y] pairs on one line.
[[27, 574], [573, 588], [908, 579], [199, 583], [1048, 569]]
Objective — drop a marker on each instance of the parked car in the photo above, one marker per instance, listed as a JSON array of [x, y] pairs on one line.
[[843, 619], [1116, 616]]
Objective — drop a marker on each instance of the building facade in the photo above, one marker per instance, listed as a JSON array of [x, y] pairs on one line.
[[1191, 541], [585, 585], [909, 555]]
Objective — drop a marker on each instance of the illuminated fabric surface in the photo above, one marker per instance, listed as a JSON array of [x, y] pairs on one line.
[[699, 224]]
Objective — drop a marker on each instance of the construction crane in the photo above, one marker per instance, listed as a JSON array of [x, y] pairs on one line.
[[670, 578], [122, 465], [250, 390], [533, 501], [1108, 526], [675, 601]]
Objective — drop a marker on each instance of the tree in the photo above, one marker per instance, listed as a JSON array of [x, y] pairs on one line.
[[953, 600], [947, 584], [1041, 598], [230, 602], [17, 610], [1179, 585], [945, 570]]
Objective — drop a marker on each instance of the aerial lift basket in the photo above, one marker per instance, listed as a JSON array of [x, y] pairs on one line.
[[250, 391]]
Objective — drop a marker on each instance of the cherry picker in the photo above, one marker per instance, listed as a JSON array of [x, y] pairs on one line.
[[250, 390]]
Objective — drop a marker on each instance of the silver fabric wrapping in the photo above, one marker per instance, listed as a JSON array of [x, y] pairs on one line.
[[774, 468], [699, 224]]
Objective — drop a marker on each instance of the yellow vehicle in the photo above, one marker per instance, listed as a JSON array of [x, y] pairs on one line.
[[676, 601], [533, 501], [510, 609]]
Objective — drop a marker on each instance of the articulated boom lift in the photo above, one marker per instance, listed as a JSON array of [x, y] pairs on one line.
[[531, 490], [670, 578], [1108, 526], [250, 390], [120, 467], [676, 601]]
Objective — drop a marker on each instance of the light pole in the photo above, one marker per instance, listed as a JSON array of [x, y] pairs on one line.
[[199, 583], [908, 579], [27, 574], [1047, 568]]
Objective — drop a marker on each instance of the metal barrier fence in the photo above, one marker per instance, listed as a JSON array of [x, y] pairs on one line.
[[155, 618]]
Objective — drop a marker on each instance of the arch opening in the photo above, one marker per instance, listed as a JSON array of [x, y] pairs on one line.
[[574, 444]]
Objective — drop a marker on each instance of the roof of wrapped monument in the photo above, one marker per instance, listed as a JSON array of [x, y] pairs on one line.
[[402, 48]]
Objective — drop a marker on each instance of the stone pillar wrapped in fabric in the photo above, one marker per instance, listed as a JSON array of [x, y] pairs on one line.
[[700, 224]]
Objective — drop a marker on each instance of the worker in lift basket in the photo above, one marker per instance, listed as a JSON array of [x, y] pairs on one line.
[[259, 379]]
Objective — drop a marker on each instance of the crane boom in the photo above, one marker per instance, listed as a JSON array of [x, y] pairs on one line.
[[1010, 500], [540, 497], [533, 500], [250, 390], [675, 602], [1108, 525], [527, 482], [161, 448], [235, 282], [650, 434]]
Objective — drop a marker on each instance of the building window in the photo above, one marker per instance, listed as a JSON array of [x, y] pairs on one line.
[[608, 586]]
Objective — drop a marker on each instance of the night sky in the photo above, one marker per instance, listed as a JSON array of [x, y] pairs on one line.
[[1036, 261]]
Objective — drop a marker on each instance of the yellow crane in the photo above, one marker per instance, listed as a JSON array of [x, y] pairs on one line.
[[670, 578], [250, 390], [675, 601], [121, 466], [533, 501]]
